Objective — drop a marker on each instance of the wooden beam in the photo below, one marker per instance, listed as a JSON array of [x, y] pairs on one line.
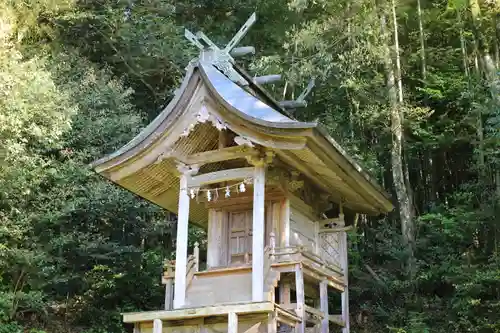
[[284, 291], [214, 236], [313, 311], [223, 139], [301, 300], [323, 183], [226, 271], [338, 162], [157, 326], [254, 328], [286, 223], [345, 311], [267, 79], [336, 319], [290, 159], [222, 154], [326, 230], [181, 244], [259, 182], [232, 322], [287, 315], [169, 294], [319, 275], [220, 176], [241, 51], [345, 294], [209, 311], [337, 220], [272, 323], [240, 200], [323, 294]]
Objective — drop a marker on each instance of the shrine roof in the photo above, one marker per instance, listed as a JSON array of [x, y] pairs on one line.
[[242, 100], [250, 113]]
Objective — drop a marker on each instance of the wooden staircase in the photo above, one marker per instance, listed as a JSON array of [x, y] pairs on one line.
[[212, 288], [227, 286]]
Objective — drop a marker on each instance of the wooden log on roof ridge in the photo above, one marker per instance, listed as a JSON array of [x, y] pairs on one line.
[[267, 78], [242, 51]]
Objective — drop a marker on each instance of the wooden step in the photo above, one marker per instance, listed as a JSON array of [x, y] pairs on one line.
[[219, 289], [232, 287]]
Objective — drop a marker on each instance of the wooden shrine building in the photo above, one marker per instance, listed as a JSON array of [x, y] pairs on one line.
[[275, 196]]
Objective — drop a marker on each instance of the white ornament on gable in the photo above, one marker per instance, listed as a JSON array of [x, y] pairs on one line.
[[202, 117]]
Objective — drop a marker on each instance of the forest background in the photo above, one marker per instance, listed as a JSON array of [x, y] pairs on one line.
[[409, 87]]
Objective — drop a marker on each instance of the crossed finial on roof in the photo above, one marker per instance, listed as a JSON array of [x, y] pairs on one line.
[[223, 58]]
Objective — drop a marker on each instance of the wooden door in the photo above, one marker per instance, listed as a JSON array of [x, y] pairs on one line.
[[240, 236]]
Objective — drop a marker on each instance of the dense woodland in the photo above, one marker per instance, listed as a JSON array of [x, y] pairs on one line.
[[409, 87]]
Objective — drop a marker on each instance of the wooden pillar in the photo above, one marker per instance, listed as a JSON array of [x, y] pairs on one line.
[[285, 293], [213, 231], [345, 310], [169, 294], [301, 301], [232, 322], [181, 244], [196, 254], [259, 181], [157, 326], [285, 239], [323, 296], [345, 267], [272, 323]]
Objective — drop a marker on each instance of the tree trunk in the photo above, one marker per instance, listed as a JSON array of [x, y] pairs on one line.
[[407, 228], [463, 46], [422, 41], [489, 70], [396, 50]]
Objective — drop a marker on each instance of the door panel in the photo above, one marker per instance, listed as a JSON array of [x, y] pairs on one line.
[[240, 236]]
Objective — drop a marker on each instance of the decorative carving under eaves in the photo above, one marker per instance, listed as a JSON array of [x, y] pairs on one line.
[[276, 177], [202, 117], [265, 158], [294, 184], [323, 204], [307, 192]]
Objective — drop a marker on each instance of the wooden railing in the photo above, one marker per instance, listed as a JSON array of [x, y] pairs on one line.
[[320, 261], [168, 278], [333, 247], [301, 253], [193, 264], [315, 316], [269, 259], [190, 269]]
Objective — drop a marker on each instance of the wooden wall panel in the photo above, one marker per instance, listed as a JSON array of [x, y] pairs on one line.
[[212, 235], [304, 228], [224, 237], [226, 227], [217, 248]]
